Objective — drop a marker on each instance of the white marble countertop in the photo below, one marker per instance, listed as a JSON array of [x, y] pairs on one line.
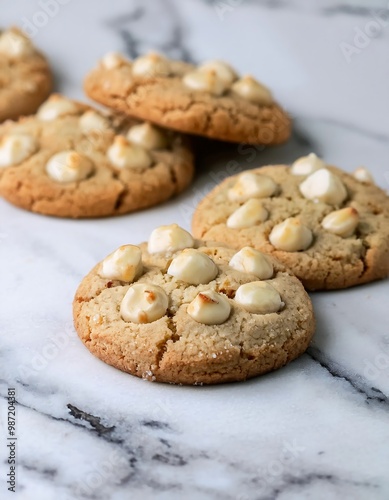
[[317, 429]]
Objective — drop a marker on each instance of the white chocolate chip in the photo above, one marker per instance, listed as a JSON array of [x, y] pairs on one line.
[[306, 165], [324, 186], [124, 264], [150, 66], [249, 214], [123, 154], [55, 107], [92, 121], [205, 81], [148, 136], [250, 185], [144, 303], [291, 236], [15, 148], [342, 222], [169, 239], [253, 91], [113, 60], [193, 267], [69, 166], [249, 260], [223, 70], [97, 319], [259, 297], [209, 308], [13, 44], [362, 174]]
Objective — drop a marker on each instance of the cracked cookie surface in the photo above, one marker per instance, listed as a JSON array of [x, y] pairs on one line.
[[25, 76], [329, 260], [162, 97], [178, 349], [69, 160]]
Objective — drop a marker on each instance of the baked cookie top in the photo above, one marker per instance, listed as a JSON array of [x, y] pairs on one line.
[[184, 311], [331, 228], [70, 160], [25, 76], [211, 99]]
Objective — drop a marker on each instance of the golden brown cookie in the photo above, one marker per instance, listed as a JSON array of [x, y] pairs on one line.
[[25, 76], [331, 228], [210, 100], [72, 161], [183, 311]]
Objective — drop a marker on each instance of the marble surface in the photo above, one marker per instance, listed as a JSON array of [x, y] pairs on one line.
[[317, 429]]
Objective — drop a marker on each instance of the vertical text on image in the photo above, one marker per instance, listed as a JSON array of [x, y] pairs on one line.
[[11, 439]]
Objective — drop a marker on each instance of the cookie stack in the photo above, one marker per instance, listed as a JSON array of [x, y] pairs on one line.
[[70, 160], [228, 302]]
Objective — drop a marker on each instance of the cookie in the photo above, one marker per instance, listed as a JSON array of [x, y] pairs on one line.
[[210, 100], [329, 227], [183, 311], [25, 76], [69, 160]]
